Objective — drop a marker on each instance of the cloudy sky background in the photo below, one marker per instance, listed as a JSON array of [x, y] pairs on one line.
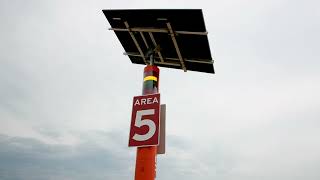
[[66, 92]]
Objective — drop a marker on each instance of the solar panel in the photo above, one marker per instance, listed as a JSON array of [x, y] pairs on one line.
[[177, 36]]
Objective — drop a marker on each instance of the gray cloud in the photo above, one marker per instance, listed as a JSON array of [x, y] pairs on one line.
[[100, 155], [22, 158]]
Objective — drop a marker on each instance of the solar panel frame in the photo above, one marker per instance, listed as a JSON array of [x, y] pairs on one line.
[[179, 35]]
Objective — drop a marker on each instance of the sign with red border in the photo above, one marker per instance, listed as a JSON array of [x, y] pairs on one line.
[[145, 125]]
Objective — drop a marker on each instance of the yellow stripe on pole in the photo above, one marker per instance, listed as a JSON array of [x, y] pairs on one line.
[[150, 78]]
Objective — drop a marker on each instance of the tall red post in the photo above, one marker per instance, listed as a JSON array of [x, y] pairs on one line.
[[146, 156]]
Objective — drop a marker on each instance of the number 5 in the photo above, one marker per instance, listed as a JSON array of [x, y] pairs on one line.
[[141, 122]]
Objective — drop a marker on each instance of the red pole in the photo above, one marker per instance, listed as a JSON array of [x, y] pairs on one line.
[[146, 156]]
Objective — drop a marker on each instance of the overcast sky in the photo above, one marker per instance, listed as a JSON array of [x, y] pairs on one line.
[[66, 92]]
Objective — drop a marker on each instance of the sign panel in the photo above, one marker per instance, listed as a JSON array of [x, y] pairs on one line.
[[161, 149], [144, 129]]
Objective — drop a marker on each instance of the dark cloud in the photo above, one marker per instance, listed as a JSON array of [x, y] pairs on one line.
[[101, 155], [26, 158]]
